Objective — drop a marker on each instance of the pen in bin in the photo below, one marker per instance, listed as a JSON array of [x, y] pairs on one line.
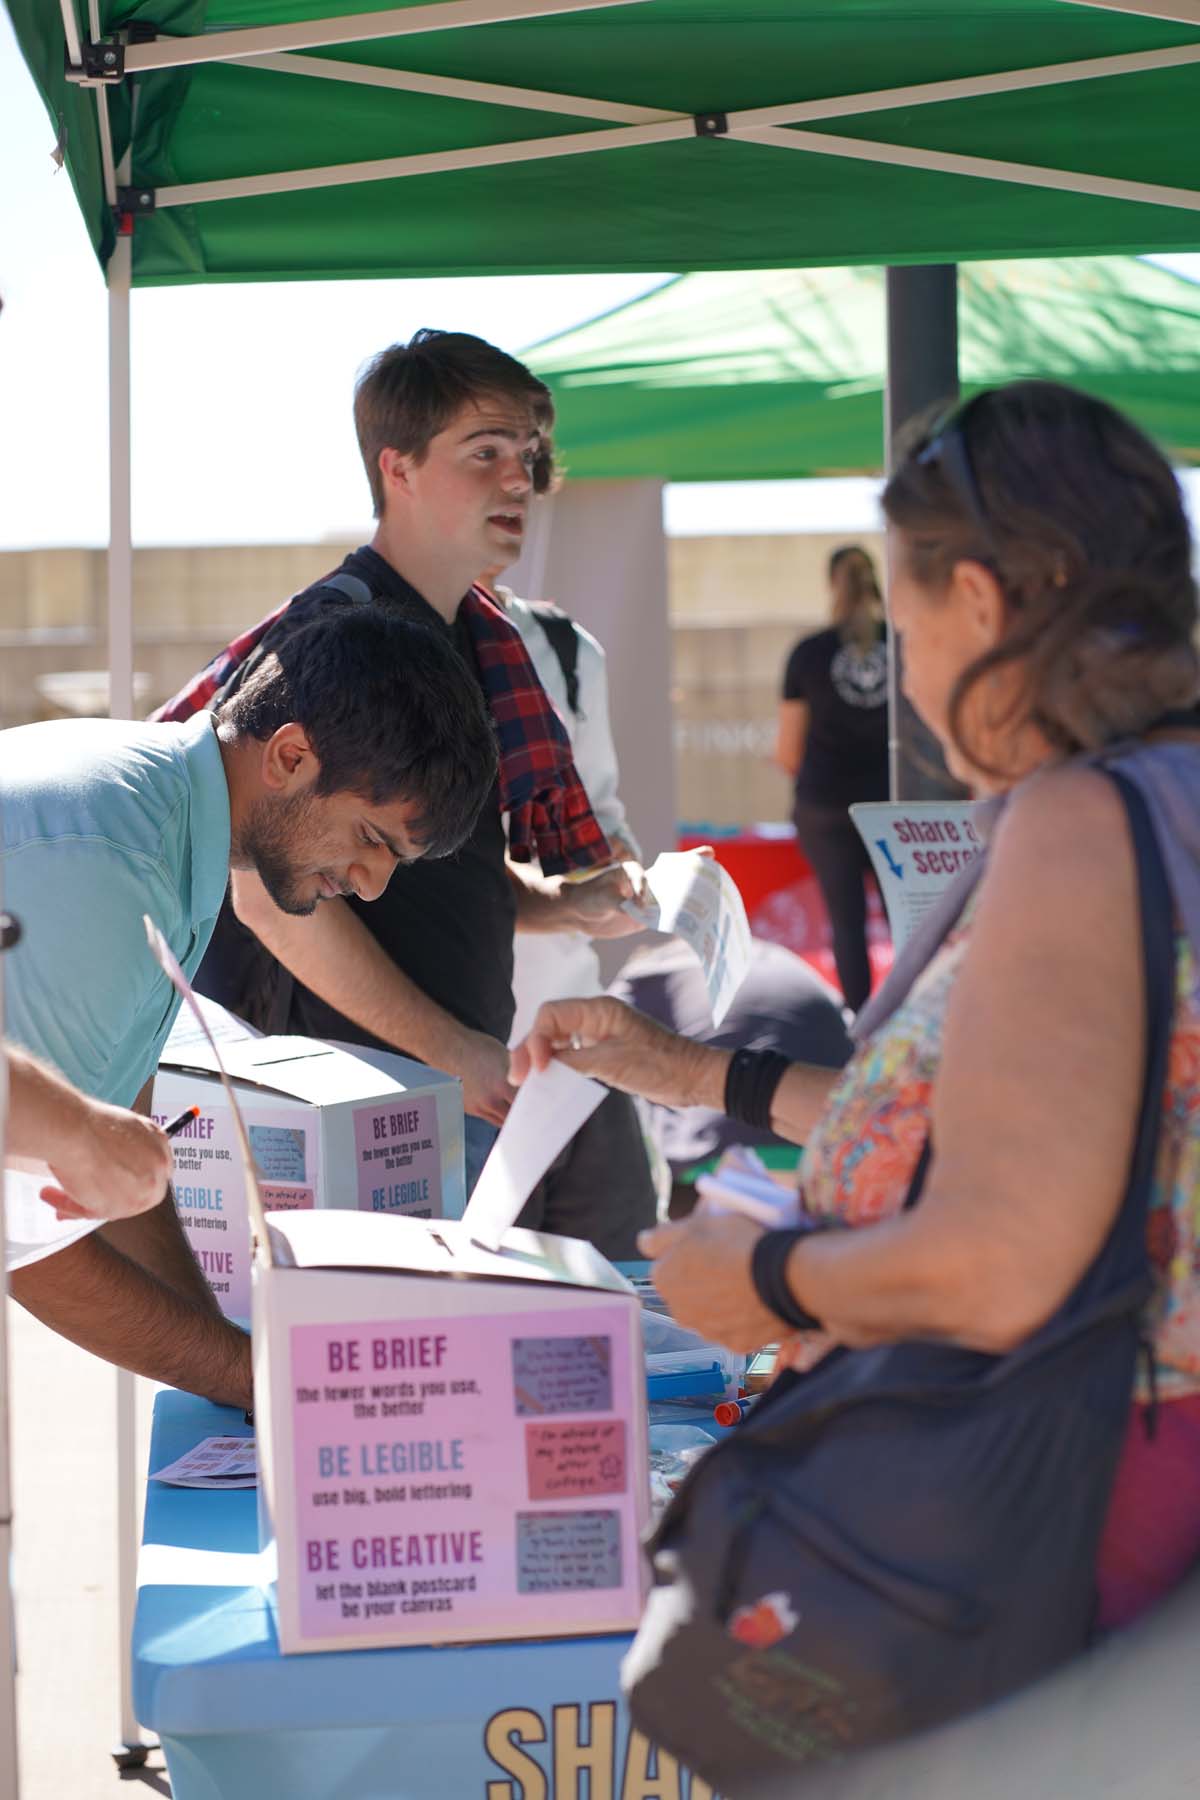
[[185, 1118]]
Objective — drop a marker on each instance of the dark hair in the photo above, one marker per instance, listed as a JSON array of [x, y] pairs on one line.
[[390, 708], [839, 556], [1080, 518], [410, 392]]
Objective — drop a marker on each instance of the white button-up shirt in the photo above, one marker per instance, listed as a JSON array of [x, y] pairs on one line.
[[551, 965]]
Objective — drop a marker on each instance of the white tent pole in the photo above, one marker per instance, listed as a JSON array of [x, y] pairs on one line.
[[1179, 12], [120, 541], [9, 1776], [107, 166], [129, 1750], [982, 168], [71, 33], [967, 87], [581, 143], [392, 168], [487, 93], [355, 28]]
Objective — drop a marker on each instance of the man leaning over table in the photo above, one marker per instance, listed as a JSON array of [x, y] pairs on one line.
[[361, 744], [454, 439]]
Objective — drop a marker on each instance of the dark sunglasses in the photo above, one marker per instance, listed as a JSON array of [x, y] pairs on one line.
[[946, 449]]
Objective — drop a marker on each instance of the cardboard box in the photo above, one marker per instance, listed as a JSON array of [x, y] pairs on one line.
[[452, 1441], [328, 1127]]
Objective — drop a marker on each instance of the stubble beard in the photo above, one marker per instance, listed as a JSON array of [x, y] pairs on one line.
[[268, 845]]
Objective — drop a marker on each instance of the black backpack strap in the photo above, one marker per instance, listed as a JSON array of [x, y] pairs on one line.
[[352, 586], [1157, 910], [559, 628]]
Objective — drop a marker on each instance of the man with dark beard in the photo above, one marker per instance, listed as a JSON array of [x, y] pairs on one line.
[[361, 743]]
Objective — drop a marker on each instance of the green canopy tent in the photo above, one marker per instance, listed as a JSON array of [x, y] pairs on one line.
[[227, 140], [725, 377], [286, 138]]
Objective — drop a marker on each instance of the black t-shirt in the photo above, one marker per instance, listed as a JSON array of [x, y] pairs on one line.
[[845, 689], [446, 922]]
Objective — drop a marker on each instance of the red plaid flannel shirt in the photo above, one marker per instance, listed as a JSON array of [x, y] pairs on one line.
[[549, 814]]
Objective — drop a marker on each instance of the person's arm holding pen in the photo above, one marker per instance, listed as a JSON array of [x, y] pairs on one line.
[[109, 1163]]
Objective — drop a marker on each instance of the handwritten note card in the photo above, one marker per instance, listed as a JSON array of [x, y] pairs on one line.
[[562, 1374], [574, 1461], [279, 1152], [564, 1552]]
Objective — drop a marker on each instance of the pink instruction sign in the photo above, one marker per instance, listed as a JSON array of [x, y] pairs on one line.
[[428, 1502], [398, 1155], [209, 1188]]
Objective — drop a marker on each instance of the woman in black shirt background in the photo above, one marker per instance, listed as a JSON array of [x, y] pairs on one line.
[[832, 739]]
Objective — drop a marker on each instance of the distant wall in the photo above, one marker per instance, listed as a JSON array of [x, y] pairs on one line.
[[736, 605]]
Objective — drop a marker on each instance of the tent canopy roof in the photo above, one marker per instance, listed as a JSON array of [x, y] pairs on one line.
[[779, 374], [485, 136]]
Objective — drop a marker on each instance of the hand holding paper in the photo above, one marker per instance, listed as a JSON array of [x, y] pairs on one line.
[[694, 898], [545, 1116], [31, 1230]]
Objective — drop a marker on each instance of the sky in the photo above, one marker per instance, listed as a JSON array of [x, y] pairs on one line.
[[241, 394]]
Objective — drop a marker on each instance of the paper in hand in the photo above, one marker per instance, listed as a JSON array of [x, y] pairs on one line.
[[168, 962], [549, 1109], [31, 1230], [695, 899]]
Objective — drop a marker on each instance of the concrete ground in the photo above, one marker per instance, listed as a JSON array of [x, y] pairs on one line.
[[65, 1568]]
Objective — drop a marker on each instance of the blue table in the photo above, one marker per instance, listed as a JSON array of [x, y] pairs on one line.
[[238, 1721]]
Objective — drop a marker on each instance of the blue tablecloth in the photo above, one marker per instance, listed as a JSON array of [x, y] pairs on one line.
[[238, 1721]]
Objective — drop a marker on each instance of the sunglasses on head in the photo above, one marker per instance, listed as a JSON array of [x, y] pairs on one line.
[[946, 449]]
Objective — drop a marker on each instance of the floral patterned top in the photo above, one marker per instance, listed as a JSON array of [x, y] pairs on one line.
[[861, 1158]]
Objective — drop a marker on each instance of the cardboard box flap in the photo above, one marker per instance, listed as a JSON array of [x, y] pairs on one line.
[[349, 1240], [303, 1068]]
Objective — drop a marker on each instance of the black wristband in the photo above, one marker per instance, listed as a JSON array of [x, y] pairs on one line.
[[768, 1271], [750, 1083]]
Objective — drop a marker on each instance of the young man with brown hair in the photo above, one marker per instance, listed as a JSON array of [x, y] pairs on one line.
[[454, 436]]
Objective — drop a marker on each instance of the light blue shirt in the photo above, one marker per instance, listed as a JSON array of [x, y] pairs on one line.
[[102, 820]]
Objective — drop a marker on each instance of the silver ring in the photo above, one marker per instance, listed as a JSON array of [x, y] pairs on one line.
[[576, 1041]]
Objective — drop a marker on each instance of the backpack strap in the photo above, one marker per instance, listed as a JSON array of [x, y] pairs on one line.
[[352, 586], [559, 628], [1157, 921]]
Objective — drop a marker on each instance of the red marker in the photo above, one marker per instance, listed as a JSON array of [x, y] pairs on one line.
[[732, 1412]]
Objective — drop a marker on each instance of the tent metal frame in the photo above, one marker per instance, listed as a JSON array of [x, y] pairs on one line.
[[100, 63], [620, 125]]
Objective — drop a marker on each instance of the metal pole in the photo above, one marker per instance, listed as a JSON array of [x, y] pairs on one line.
[[9, 1776], [120, 524], [129, 1752], [922, 371]]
